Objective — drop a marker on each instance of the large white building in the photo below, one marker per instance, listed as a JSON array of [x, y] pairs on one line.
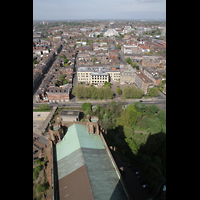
[[111, 32], [97, 75]]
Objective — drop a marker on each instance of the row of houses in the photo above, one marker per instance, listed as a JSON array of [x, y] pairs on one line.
[[49, 90]]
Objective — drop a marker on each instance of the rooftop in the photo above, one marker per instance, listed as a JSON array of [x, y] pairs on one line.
[[83, 158]]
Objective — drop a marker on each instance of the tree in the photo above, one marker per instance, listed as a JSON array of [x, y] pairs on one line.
[[133, 113], [94, 59], [118, 46], [41, 188], [153, 109], [107, 84], [140, 107], [132, 92], [86, 106], [62, 77], [128, 131], [156, 126], [119, 91], [153, 92], [128, 60], [124, 119], [162, 117], [65, 81], [66, 60]]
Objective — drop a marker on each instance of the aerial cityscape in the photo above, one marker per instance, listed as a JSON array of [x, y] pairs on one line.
[[99, 100]]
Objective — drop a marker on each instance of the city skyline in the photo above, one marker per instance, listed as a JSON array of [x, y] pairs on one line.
[[99, 10]]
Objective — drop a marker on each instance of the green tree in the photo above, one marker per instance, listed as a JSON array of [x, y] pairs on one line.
[[94, 59], [62, 77], [162, 117], [153, 92], [132, 145], [35, 174], [153, 109], [118, 46], [133, 113], [132, 92], [119, 91], [66, 60], [124, 119], [128, 131], [156, 126], [107, 84], [41, 188], [140, 107], [128, 60], [86, 106], [65, 81]]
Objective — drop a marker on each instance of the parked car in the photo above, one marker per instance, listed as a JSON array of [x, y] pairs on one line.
[[145, 185], [35, 151], [135, 169], [139, 176], [136, 172]]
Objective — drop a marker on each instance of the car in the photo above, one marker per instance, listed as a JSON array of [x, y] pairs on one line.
[[131, 166], [138, 177], [144, 185], [136, 172], [33, 161], [35, 151]]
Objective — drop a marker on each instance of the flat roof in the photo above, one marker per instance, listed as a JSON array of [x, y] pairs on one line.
[[69, 112]]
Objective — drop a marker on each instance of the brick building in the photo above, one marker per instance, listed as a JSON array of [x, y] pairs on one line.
[[142, 81], [57, 94]]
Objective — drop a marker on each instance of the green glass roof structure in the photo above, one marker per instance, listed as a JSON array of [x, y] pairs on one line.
[[83, 162]]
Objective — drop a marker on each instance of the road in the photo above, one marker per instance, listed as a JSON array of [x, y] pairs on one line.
[[158, 102]]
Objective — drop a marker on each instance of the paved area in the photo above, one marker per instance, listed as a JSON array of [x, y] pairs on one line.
[[40, 123], [42, 116], [114, 87]]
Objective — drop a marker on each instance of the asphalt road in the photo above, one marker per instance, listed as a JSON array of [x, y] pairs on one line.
[[160, 102]]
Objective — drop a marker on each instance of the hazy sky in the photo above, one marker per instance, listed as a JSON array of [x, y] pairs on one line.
[[98, 9]]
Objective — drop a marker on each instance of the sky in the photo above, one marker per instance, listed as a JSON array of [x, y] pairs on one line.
[[99, 9]]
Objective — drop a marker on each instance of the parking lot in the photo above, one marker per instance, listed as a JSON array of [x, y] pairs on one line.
[[114, 87], [38, 121]]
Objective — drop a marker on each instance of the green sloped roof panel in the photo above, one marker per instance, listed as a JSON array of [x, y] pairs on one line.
[[64, 147]]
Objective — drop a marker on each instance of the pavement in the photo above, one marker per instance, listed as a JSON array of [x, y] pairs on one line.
[[39, 126]]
